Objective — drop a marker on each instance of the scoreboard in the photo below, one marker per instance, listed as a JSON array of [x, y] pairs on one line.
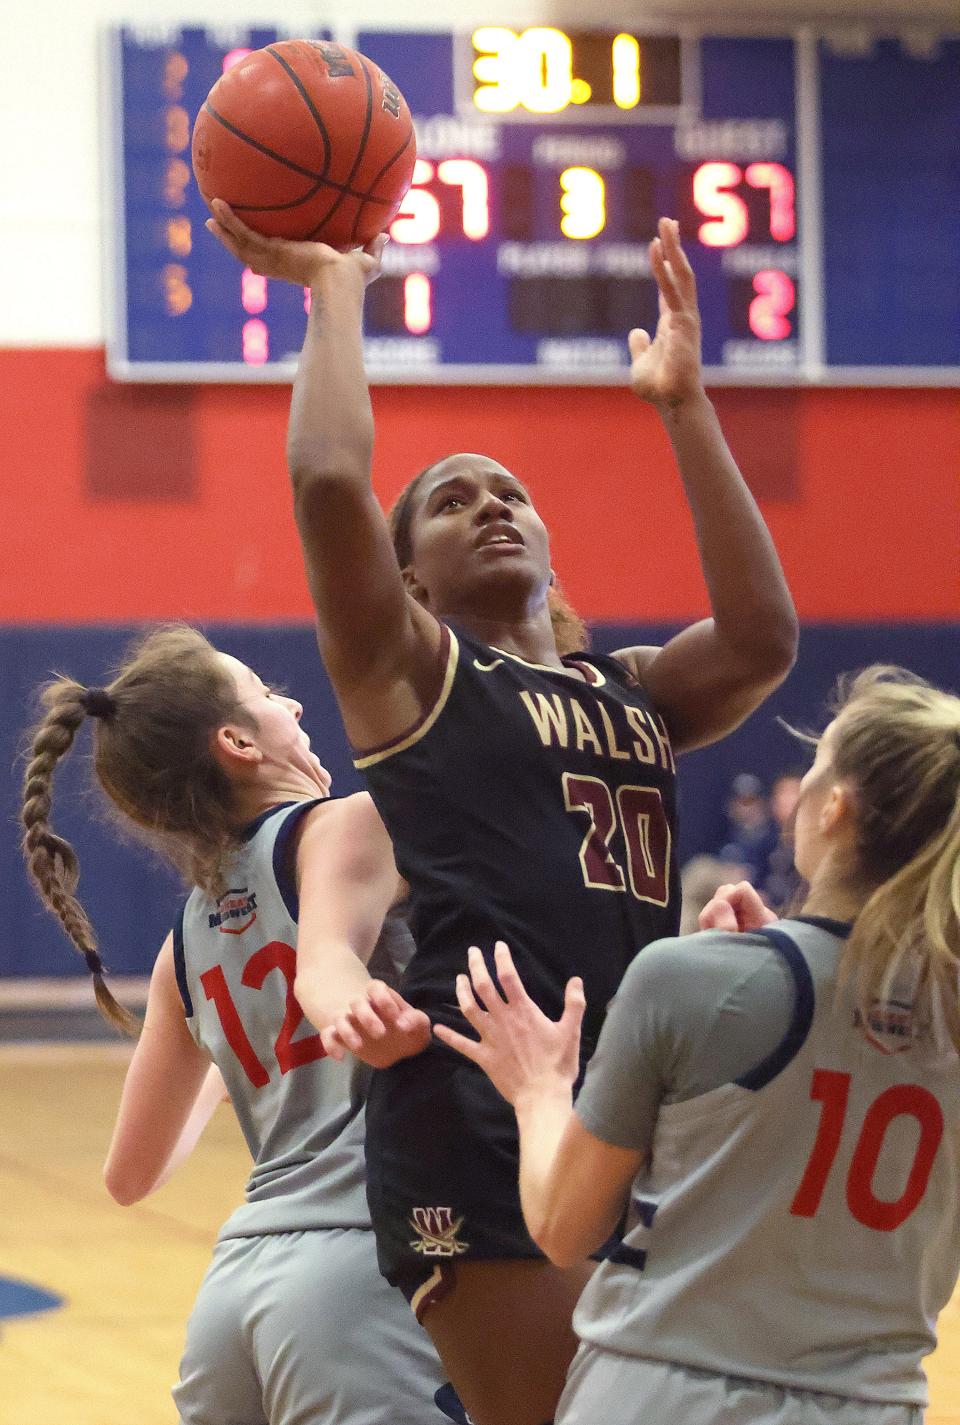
[[815, 181]]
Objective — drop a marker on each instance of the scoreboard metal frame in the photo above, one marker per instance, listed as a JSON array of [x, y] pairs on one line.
[[755, 362]]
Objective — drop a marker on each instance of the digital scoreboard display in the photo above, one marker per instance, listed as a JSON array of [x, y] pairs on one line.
[[546, 156]]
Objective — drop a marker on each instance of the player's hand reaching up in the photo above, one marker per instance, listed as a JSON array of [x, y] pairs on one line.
[[519, 1048], [286, 259], [665, 369], [379, 1028], [735, 907]]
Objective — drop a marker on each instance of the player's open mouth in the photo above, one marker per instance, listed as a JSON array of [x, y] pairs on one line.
[[507, 537]]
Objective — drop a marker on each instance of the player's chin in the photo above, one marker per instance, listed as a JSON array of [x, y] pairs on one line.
[[507, 563]]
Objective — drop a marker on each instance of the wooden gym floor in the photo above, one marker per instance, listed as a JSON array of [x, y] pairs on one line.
[[109, 1354]]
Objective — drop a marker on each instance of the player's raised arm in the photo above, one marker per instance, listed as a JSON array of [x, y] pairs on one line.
[[378, 645], [714, 673]]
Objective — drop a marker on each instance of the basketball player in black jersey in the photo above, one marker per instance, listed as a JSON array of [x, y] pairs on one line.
[[529, 795]]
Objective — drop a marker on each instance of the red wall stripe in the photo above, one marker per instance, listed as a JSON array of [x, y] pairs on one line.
[[870, 531]]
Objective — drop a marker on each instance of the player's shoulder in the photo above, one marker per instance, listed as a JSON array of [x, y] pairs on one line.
[[614, 666], [333, 814], [635, 660], [707, 959], [275, 835], [273, 819], [337, 837], [681, 989]]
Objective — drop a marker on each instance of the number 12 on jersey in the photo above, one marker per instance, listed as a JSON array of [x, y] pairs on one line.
[[290, 1052]]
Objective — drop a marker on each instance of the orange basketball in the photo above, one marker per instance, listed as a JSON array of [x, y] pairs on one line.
[[306, 139]]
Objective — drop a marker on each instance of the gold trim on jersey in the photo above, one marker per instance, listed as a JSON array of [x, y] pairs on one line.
[[424, 725], [546, 667]]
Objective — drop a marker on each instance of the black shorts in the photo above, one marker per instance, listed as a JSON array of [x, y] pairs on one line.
[[442, 1169]]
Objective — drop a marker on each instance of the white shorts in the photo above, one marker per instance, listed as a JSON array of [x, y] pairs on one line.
[[628, 1390], [299, 1328]]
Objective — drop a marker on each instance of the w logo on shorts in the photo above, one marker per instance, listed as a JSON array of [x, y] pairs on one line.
[[437, 1232]]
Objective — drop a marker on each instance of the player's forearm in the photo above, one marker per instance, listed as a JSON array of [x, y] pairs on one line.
[[330, 432], [751, 604], [327, 984], [212, 1094], [542, 1118]]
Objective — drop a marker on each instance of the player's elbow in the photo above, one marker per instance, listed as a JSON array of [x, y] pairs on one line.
[[756, 660], [783, 641], [767, 650], [562, 1249], [559, 1240], [321, 1007], [123, 1185]]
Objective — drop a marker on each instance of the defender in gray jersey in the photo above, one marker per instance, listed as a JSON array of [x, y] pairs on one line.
[[772, 1113], [293, 1323]]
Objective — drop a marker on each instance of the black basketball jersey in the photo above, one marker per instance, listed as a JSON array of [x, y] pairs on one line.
[[530, 806]]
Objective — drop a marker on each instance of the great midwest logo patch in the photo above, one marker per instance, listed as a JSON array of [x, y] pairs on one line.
[[236, 911], [888, 1027]]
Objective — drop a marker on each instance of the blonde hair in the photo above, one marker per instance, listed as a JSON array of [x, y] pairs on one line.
[[896, 743], [153, 759]]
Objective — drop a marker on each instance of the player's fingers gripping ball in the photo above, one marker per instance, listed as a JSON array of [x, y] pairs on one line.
[[306, 139]]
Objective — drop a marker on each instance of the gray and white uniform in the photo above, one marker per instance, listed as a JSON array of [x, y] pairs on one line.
[[293, 1324], [794, 1234]]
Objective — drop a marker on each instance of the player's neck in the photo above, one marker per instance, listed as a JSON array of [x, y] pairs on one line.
[[531, 638], [835, 899], [252, 801], [832, 908]]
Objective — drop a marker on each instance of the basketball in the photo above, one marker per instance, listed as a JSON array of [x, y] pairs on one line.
[[306, 139]]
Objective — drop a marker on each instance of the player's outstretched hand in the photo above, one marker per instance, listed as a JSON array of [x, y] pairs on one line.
[[735, 907], [665, 369], [285, 259], [380, 1028], [519, 1048]]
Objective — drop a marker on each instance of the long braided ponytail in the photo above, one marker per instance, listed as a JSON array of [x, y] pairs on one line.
[[153, 760], [52, 861]]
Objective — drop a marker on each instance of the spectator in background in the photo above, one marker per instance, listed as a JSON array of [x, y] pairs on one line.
[[752, 832], [700, 879], [782, 880]]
